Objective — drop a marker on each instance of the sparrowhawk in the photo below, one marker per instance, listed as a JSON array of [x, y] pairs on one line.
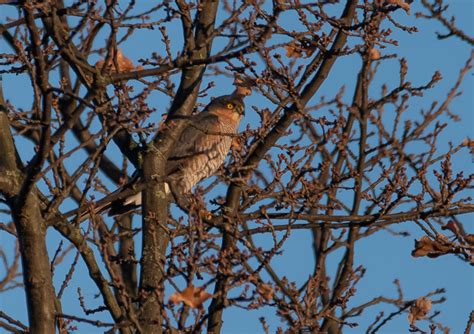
[[198, 152]]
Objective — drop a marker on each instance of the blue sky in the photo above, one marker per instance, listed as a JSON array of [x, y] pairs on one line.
[[386, 257]]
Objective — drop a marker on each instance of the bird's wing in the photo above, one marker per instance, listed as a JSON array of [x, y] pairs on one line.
[[194, 140]]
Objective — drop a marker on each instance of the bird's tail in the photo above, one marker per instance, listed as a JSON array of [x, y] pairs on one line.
[[124, 200]]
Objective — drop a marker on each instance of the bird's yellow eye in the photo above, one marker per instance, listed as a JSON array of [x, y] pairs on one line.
[[230, 106]]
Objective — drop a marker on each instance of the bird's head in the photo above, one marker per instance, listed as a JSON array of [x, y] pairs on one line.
[[233, 104]]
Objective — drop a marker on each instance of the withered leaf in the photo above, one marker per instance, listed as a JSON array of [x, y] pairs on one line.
[[469, 238], [404, 5], [419, 309], [299, 48], [292, 51], [123, 63], [452, 226], [431, 248], [192, 296]]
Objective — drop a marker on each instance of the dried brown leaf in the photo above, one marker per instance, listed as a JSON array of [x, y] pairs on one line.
[[469, 238], [431, 248], [192, 296], [452, 226], [123, 63], [292, 50], [419, 309], [404, 5], [299, 48]]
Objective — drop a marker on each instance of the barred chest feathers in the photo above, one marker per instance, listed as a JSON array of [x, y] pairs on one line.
[[212, 153]]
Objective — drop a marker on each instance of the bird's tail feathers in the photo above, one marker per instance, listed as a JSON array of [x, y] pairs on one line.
[[119, 202]]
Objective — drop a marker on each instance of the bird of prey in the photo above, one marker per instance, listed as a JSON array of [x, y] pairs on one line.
[[198, 152]]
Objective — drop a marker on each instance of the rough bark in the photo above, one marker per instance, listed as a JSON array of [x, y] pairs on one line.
[[31, 231]]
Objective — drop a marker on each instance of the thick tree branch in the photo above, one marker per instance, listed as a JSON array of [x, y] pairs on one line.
[[31, 231]]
